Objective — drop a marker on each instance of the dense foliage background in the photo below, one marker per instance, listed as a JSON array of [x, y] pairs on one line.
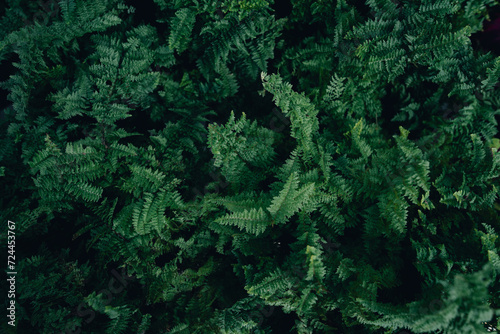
[[252, 166]]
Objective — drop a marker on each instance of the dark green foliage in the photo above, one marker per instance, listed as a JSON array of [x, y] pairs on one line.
[[209, 168]]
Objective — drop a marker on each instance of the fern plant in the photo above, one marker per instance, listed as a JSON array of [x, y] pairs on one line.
[[372, 208]]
